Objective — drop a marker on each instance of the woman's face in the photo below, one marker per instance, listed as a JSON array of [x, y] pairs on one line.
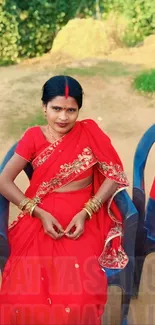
[[61, 113]]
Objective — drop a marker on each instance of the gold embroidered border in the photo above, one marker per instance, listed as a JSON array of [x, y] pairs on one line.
[[45, 154], [109, 204], [19, 217], [110, 257], [68, 172], [114, 232], [113, 171]]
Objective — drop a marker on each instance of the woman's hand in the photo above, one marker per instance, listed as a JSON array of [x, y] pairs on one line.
[[51, 226], [76, 227]]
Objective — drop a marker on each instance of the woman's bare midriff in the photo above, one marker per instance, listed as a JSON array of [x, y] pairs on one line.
[[76, 185]]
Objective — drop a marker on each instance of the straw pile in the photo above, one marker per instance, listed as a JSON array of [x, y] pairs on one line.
[[144, 54], [85, 38]]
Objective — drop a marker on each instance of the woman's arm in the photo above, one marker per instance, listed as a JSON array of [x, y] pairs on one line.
[[106, 190], [7, 186], [9, 189]]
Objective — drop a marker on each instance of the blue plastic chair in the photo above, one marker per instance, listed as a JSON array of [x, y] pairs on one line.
[[145, 238], [4, 212], [123, 278]]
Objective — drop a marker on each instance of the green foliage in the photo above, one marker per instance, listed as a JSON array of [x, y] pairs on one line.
[[131, 37], [8, 32], [145, 82], [37, 27], [28, 28], [113, 5], [141, 14], [39, 21]]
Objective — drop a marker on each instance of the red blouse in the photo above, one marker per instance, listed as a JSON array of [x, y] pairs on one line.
[[33, 142]]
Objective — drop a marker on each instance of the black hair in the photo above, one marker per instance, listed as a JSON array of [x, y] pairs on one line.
[[56, 86]]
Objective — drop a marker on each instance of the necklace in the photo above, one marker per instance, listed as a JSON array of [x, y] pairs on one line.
[[51, 134]]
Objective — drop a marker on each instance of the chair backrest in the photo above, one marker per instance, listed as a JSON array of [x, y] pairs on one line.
[[139, 196], [145, 237], [130, 216], [4, 211], [124, 278], [140, 159]]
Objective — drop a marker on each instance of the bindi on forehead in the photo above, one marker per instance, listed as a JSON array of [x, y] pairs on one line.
[[63, 102]]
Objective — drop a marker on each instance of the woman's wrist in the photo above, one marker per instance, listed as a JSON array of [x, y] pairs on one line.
[[37, 212], [27, 205], [88, 213], [92, 206], [85, 214]]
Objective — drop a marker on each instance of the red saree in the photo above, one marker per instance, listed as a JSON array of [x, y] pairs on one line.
[[49, 281]]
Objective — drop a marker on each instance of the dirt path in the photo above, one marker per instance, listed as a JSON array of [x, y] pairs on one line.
[[119, 110]]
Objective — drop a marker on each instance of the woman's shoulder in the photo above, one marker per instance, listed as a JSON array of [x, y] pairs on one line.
[[88, 121], [94, 128], [31, 131]]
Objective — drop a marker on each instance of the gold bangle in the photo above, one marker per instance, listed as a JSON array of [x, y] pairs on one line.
[[93, 205], [89, 213], [23, 203], [32, 209], [27, 205]]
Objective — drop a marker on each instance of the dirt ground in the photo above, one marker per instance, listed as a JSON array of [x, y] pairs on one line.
[[121, 112]]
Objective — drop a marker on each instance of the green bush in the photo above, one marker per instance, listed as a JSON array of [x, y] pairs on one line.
[[9, 35], [145, 81], [28, 28], [132, 38], [37, 27], [39, 21], [141, 14], [113, 5]]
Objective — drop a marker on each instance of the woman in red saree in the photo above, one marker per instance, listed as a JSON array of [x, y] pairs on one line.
[[55, 273]]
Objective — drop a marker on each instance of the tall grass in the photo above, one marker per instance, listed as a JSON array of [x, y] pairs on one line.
[[145, 81]]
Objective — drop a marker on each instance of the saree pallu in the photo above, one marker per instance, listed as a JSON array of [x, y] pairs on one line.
[[49, 281]]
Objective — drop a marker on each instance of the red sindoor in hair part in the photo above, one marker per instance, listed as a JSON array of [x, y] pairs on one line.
[[66, 91]]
